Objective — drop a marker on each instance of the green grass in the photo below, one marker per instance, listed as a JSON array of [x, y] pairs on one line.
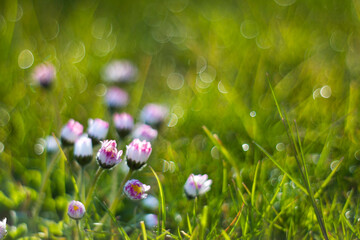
[[297, 180]]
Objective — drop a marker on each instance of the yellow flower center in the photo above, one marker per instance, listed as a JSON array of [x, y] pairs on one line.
[[75, 208], [136, 188]]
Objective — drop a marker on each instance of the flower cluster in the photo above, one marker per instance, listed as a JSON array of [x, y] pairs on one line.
[[138, 151]]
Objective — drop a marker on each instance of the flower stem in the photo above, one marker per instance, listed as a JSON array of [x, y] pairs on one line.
[[119, 193], [41, 195], [79, 230], [93, 185], [117, 199], [82, 187]]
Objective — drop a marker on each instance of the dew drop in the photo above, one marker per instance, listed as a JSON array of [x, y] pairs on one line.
[[4, 117], [222, 88], [215, 153], [249, 29], [173, 120], [25, 59], [2, 147], [175, 81], [245, 147], [280, 147], [334, 164], [39, 148], [325, 91]]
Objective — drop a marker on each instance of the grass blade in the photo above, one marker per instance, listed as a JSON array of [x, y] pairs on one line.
[[143, 230], [254, 184], [162, 211], [281, 168], [107, 210], [328, 179], [216, 141]]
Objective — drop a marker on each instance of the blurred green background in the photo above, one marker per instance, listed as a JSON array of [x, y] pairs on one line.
[[207, 61]]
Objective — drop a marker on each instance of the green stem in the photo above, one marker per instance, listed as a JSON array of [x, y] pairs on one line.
[[116, 200], [44, 182], [93, 185], [79, 230], [82, 186], [119, 193]]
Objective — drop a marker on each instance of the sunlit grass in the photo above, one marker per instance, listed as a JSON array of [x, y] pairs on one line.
[[209, 62]]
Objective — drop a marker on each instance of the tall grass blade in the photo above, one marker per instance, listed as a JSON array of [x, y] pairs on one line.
[[254, 184], [107, 210], [328, 179], [216, 141], [281, 168], [162, 210], [143, 230], [298, 154]]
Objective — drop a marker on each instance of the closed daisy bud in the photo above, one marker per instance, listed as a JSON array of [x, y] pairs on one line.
[[144, 132], [108, 156], [197, 185], [51, 144], [137, 153], [150, 203], [44, 74], [98, 129], [124, 123], [83, 150], [120, 71], [136, 190], [3, 230], [151, 220], [154, 114], [71, 132], [116, 98], [76, 210]]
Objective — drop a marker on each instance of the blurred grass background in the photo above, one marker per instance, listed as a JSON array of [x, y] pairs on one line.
[[207, 61]]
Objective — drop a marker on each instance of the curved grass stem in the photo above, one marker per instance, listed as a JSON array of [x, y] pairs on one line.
[[93, 185]]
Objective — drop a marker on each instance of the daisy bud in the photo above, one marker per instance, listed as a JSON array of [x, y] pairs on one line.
[[120, 71], [150, 203], [51, 144], [151, 220], [97, 130], [3, 230], [83, 150], [108, 156], [71, 132], [154, 114], [116, 98], [197, 185], [124, 123], [137, 153], [136, 190], [44, 74], [76, 210], [144, 132]]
